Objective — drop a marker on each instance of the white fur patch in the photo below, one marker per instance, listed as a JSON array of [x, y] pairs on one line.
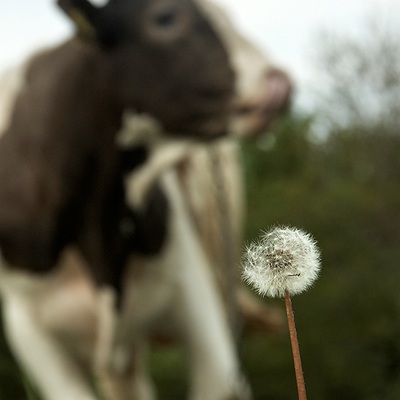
[[11, 84]]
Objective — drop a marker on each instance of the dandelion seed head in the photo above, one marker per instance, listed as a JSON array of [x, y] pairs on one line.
[[284, 258]]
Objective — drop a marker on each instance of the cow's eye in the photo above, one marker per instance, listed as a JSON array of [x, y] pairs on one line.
[[166, 19], [166, 22]]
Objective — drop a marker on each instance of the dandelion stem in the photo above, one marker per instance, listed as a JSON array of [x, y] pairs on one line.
[[301, 389]]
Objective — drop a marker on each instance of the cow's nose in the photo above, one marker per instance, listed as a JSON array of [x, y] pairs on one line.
[[255, 116], [277, 93]]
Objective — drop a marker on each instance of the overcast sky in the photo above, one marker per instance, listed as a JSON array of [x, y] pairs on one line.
[[285, 29]]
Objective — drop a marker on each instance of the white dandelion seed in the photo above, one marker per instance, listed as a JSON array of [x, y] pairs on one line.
[[284, 259], [283, 262]]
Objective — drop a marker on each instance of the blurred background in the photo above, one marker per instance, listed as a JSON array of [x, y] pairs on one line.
[[330, 167]]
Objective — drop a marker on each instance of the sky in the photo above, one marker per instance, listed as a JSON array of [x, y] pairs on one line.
[[284, 29]]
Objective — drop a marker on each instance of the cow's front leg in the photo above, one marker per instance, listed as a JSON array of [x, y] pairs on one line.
[[35, 308], [213, 363], [46, 362]]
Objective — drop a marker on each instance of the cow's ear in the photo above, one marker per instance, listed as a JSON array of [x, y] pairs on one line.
[[85, 17]]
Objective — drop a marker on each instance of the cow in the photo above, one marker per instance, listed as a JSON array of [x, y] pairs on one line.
[[93, 88], [68, 322]]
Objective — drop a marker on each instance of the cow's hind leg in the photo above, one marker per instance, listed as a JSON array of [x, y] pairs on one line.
[[120, 360], [133, 382]]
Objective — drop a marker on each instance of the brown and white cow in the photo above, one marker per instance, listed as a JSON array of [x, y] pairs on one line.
[[76, 94], [60, 325]]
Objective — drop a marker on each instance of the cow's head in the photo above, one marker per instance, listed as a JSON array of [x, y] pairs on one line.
[[166, 59]]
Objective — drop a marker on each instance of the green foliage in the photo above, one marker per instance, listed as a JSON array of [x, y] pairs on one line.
[[346, 192]]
